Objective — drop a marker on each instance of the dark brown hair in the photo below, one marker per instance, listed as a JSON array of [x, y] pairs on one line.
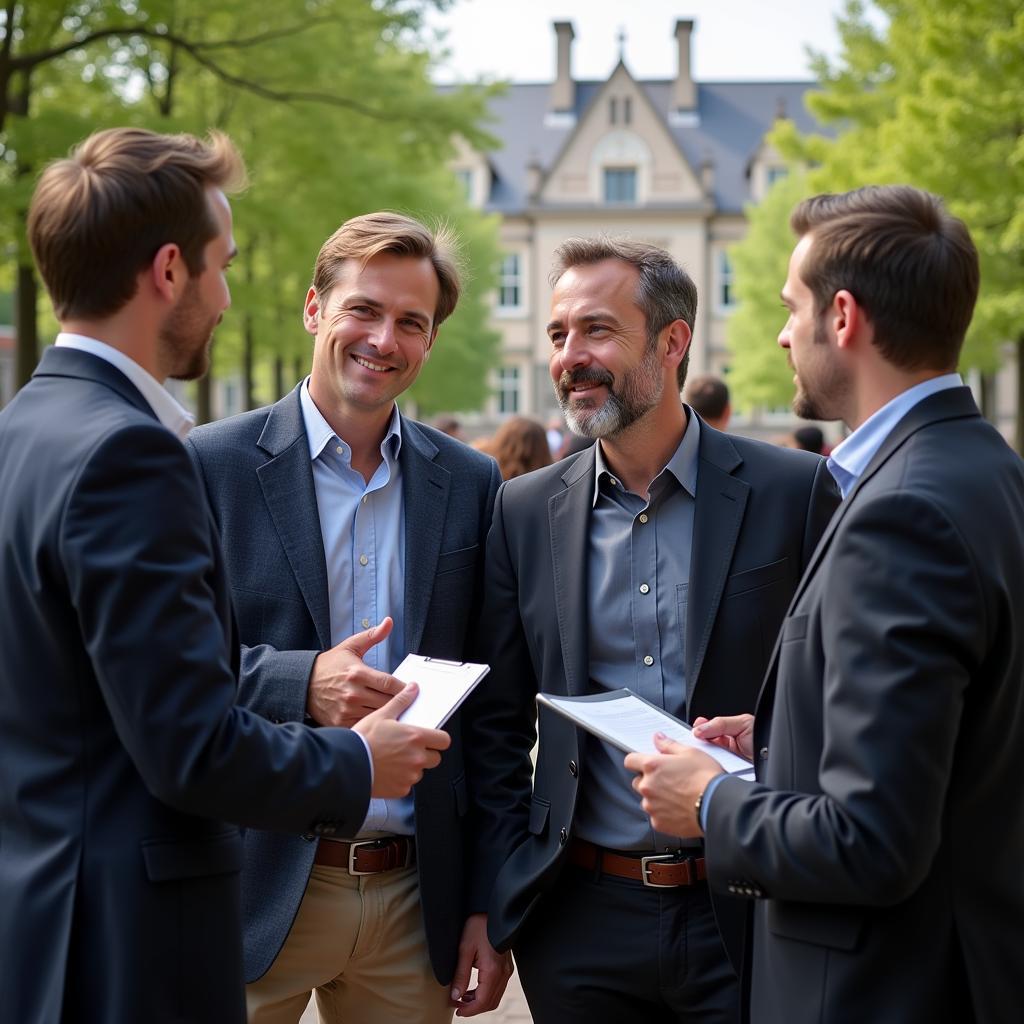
[[362, 238], [99, 216], [664, 293], [907, 261], [520, 445], [709, 396]]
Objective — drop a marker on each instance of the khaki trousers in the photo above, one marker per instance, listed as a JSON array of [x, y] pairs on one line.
[[358, 943]]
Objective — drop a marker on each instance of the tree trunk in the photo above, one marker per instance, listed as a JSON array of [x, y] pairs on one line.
[[987, 388], [204, 395], [26, 327], [1019, 439], [247, 358], [278, 377]]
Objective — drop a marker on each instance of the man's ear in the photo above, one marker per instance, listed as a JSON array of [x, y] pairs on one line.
[[847, 318], [311, 312], [678, 337], [168, 273]]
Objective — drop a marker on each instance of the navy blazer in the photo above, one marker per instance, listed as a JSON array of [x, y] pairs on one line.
[[123, 752], [883, 854], [758, 515], [259, 478]]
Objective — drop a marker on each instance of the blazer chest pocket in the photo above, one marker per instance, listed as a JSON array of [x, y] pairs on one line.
[[452, 561], [540, 809], [170, 860], [756, 578], [833, 927]]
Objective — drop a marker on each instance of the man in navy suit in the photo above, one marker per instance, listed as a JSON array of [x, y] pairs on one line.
[[123, 750], [337, 513], [882, 845]]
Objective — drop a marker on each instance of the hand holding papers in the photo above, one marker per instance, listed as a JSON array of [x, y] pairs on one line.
[[629, 722], [444, 685]]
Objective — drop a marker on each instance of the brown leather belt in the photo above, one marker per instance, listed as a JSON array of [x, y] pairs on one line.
[[656, 871], [366, 856]]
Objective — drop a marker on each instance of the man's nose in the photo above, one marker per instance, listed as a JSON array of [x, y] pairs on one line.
[[575, 351], [383, 336]]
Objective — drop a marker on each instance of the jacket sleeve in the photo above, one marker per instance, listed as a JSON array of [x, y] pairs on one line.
[[137, 548]]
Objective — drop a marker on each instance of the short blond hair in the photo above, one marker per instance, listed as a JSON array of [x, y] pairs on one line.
[[98, 217], [372, 234]]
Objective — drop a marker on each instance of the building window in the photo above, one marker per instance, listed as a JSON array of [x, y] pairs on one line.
[[774, 174], [726, 290], [510, 288], [613, 110], [465, 180], [508, 389], [627, 110], [620, 184]]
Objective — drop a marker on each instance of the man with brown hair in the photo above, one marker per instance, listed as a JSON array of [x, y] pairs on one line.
[[663, 560], [338, 513], [123, 751], [883, 841], [708, 396]]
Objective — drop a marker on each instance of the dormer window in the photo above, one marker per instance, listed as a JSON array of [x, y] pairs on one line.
[[620, 184]]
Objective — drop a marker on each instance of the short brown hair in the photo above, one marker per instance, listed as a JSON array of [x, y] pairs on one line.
[[664, 293], [520, 446], [708, 395], [372, 234], [907, 261], [99, 217]]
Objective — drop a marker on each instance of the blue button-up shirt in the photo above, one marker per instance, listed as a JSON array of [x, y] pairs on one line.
[[639, 571], [363, 530]]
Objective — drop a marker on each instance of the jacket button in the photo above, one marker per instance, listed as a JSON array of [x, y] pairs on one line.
[[763, 754], [562, 837], [573, 770]]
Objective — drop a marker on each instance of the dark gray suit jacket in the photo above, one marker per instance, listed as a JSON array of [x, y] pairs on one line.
[[122, 750], [885, 848], [759, 513], [259, 479]]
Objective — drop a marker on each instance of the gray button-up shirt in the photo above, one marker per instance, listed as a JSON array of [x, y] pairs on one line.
[[639, 570]]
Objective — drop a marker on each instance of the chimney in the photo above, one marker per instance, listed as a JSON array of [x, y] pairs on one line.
[[534, 177], [684, 92], [563, 89]]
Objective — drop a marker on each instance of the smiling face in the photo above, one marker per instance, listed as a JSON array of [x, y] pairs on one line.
[[607, 375], [187, 332], [373, 333], [822, 382]]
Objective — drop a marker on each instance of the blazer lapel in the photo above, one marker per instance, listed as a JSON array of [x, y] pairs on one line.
[[569, 522], [720, 504], [425, 487], [287, 483]]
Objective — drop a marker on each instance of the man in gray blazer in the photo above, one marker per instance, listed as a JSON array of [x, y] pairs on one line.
[[662, 559], [884, 839], [340, 516]]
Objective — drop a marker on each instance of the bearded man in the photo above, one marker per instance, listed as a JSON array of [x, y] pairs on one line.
[[663, 559]]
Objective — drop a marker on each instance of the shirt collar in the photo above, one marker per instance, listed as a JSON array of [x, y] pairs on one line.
[[319, 433], [850, 458], [178, 420], [682, 465]]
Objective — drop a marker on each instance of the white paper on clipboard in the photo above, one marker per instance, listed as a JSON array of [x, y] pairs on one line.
[[444, 685]]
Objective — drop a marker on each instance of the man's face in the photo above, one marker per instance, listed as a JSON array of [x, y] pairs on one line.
[[820, 378], [606, 373], [373, 331], [187, 331]]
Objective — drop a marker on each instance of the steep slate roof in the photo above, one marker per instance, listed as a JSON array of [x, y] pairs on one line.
[[734, 117]]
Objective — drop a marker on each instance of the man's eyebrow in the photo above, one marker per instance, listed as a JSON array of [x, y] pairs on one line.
[[587, 318]]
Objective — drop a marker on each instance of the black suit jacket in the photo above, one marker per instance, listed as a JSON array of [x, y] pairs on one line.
[[885, 846], [759, 513], [122, 750], [259, 479]]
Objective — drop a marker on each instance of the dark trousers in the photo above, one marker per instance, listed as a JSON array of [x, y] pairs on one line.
[[604, 950]]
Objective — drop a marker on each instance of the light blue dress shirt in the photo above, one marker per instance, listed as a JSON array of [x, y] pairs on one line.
[[363, 529], [850, 458]]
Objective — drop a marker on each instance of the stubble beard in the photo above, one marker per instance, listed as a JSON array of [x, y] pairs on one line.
[[640, 391], [830, 389], [187, 335]]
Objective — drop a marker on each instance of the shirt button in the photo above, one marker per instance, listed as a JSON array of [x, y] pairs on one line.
[[363, 560], [763, 754], [573, 769], [648, 660], [340, 450], [644, 589], [643, 517], [366, 623]]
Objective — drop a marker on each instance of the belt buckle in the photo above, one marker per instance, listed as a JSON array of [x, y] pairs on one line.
[[645, 870], [352, 856]]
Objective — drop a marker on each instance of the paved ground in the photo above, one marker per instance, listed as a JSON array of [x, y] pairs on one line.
[[513, 1009]]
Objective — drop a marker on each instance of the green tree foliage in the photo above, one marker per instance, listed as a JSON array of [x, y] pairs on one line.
[[332, 105], [759, 374], [931, 92]]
